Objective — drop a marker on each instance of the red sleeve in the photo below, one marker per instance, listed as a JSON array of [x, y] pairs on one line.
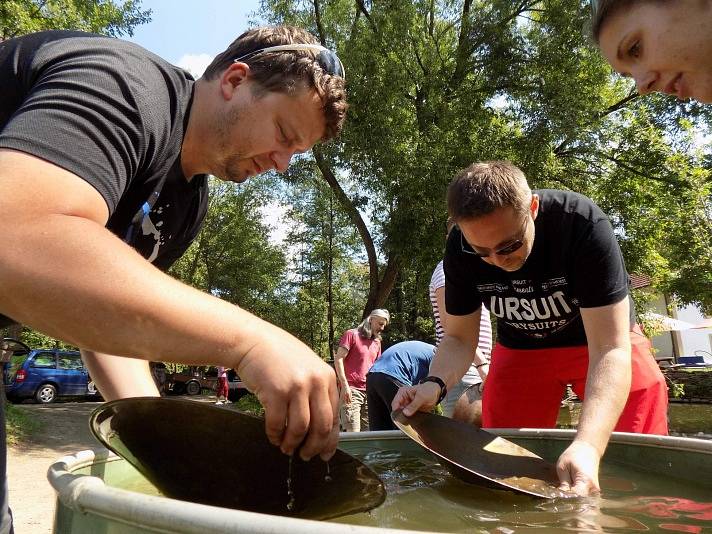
[[347, 339]]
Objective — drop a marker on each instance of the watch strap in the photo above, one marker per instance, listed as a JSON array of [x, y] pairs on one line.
[[439, 381]]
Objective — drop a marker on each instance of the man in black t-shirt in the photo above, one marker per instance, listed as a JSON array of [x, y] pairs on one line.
[[548, 266], [105, 150]]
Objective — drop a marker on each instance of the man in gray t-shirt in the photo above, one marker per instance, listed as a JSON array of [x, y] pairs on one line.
[[104, 153]]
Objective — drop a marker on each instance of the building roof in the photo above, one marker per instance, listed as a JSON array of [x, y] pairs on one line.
[[639, 280]]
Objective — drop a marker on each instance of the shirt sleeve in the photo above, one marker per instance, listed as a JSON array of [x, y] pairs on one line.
[[461, 295], [437, 280], [92, 117], [347, 340], [599, 273]]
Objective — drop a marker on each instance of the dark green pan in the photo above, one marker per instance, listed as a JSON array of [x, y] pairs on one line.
[[478, 457], [200, 453]]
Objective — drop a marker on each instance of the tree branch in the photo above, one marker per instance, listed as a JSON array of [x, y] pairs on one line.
[[618, 105], [354, 215], [629, 168], [319, 25]]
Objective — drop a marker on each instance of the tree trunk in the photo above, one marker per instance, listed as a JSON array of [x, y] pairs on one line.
[[378, 289], [330, 277]]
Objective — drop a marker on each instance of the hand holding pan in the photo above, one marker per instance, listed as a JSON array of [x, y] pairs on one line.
[[216, 456], [478, 457]]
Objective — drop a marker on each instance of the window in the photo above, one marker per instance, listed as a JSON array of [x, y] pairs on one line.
[[45, 360], [70, 361]]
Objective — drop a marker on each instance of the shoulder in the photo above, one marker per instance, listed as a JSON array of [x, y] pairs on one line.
[[113, 64], [556, 204], [437, 280]]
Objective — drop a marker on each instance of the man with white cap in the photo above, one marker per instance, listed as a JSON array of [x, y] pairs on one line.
[[358, 349]]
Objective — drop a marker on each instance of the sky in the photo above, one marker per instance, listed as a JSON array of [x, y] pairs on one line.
[[190, 33]]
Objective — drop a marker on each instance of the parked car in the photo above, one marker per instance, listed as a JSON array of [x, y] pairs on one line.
[[45, 374], [237, 388], [195, 379]]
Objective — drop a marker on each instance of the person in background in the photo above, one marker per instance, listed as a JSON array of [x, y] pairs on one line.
[[223, 388], [548, 264], [463, 401], [358, 349], [403, 364], [158, 371], [664, 46]]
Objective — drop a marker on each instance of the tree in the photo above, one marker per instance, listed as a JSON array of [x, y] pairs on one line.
[[108, 17], [437, 84], [327, 280], [232, 258]]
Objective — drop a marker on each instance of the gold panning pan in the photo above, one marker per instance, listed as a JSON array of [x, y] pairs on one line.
[[478, 457], [200, 453]]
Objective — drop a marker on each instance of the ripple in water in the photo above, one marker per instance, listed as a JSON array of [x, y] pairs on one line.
[[422, 495]]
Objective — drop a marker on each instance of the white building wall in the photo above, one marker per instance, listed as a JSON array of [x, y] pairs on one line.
[[694, 342], [661, 343]]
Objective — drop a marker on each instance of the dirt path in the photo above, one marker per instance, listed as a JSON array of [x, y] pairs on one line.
[[65, 430]]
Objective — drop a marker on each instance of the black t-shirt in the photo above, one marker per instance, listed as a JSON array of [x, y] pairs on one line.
[[115, 115], [575, 263]]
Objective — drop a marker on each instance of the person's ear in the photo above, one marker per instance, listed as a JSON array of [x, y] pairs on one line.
[[534, 207], [233, 78]]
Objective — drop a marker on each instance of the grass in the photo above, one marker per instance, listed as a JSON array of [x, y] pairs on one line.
[[250, 404], [19, 425]]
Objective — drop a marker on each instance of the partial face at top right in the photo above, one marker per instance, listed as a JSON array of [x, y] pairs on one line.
[[663, 46]]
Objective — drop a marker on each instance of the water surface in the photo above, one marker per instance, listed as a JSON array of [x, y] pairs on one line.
[[422, 495]]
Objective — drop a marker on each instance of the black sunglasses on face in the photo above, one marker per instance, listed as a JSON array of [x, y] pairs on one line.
[[507, 249], [327, 59]]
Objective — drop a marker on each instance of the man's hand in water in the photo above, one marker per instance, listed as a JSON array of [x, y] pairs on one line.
[[578, 469], [298, 392]]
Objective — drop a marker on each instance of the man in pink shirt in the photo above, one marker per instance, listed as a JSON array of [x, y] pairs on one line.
[[358, 349]]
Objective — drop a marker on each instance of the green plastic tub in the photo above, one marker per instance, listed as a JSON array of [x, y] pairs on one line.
[[99, 493]]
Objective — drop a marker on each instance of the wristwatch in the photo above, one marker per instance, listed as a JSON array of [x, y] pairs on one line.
[[437, 380]]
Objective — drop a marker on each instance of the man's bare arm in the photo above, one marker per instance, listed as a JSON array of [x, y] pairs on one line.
[[451, 361], [609, 371], [98, 293], [341, 353], [478, 357], [118, 377], [607, 387]]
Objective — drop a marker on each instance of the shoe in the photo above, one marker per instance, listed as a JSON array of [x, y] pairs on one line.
[[219, 402]]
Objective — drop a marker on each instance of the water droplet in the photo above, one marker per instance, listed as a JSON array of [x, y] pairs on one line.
[[290, 493]]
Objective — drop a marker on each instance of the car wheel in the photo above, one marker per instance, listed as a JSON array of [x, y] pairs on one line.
[[192, 388], [46, 393]]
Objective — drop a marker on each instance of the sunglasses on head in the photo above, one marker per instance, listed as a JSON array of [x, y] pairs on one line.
[[595, 4], [507, 249], [327, 59]]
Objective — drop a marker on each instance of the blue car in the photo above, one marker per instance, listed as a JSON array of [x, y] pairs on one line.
[[44, 374]]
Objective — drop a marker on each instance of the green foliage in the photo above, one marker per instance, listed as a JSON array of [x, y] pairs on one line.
[[232, 257], [19, 424], [435, 85], [249, 404], [36, 340], [677, 390], [327, 282], [109, 17]]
